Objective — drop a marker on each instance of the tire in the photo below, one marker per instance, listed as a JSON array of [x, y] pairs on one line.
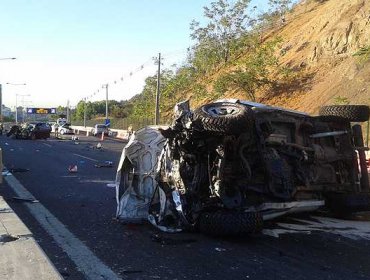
[[230, 223], [353, 113], [33, 136], [342, 204], [62, 132], [230, 118]]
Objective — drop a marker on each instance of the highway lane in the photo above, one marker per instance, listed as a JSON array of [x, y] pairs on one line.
[[86, 206]]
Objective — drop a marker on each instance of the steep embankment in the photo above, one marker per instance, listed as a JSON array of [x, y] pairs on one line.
[[320, 40]]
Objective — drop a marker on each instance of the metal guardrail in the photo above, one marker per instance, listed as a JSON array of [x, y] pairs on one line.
[[1, 165], [122, 134]]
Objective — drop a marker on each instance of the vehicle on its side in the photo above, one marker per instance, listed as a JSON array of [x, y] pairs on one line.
[[65, 129], [99, 129], [227, 166], [31, 130]]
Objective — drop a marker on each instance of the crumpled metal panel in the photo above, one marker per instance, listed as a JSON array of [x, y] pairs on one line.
[[135, 179]]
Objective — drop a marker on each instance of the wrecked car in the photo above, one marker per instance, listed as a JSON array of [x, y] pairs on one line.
[[65, 129], [228, 166], [32, 130]]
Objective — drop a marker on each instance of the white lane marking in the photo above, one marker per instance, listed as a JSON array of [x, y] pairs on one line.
[[48, 145], [86, 157], [97, 181], [355, 230], [90, 265]]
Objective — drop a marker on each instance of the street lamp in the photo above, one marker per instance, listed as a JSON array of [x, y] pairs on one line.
[[1, 94], [23, 84], [16, 110], [16, 105]]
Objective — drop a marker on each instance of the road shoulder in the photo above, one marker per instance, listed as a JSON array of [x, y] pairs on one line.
[[21, 257]]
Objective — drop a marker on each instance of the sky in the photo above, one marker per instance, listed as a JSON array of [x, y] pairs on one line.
[[67, 49]]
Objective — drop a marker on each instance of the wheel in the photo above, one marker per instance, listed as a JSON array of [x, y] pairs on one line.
[[230, 223], [342, 204], [224, 117], [62, 132], [353, 113], [33, 136]]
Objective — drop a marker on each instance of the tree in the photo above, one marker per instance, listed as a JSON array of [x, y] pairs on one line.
[[280, 6], [252, 72], [214, 42]]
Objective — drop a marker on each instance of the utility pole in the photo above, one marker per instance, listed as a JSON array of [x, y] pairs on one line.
[[1, 104], [156, 121], [106, 101], [85, 112], [16, 109], [67, 111]]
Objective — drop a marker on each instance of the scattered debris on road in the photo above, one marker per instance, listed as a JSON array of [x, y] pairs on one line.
[[106, 163], [18, 170], [72, 168], [220, 249], [4, 238], [170, 241], [23, 199]]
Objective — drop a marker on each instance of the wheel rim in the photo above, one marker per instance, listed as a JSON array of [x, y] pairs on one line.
[[216, 111]]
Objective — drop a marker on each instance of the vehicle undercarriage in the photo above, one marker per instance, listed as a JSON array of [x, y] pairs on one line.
[[227, 166]]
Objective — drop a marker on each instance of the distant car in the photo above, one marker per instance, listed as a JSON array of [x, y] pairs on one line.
[[99, 129], [32, 130], [112, 133], [65, 129]]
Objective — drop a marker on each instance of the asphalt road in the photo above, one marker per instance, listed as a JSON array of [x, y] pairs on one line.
[[315, 248]]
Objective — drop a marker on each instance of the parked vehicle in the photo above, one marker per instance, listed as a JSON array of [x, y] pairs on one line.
[[227, 166], [99, 129], [32, 130], [65, 129]]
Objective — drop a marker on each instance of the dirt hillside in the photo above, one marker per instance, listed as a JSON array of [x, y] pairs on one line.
[[320, 39]]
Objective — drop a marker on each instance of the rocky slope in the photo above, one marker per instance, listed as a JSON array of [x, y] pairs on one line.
[[320, 39]]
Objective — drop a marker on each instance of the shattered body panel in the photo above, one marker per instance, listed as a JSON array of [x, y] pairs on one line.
[[227, 166]]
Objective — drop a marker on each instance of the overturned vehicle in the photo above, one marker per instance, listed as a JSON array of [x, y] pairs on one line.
[[227, 166]]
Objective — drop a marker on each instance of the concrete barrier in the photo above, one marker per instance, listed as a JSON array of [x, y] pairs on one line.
[[121, 134]]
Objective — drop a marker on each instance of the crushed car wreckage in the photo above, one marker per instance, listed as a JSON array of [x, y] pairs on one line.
[[32, 130], [227, 166]]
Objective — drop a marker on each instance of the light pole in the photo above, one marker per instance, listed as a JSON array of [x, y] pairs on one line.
[[106, 102], [16, 105], [16, 109], [1, 94], [84, 112]]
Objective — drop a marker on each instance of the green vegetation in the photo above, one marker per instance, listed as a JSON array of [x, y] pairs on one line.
[[252, 71], [339, 100], [363, 55]]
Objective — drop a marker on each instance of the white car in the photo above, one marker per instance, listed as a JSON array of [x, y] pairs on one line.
[[99, 129], [65, 129]]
